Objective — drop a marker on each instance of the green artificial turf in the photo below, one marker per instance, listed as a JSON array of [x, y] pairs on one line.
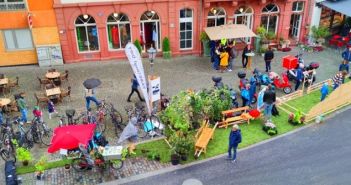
[[31, 168], [251, 134]]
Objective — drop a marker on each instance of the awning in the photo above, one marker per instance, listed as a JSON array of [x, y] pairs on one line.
[[342, 6], [229, 31]]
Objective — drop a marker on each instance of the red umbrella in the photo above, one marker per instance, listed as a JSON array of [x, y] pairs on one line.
[[69, 137]]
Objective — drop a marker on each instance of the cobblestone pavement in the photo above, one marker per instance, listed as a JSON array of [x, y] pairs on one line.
[[177, 74], [132, 166]]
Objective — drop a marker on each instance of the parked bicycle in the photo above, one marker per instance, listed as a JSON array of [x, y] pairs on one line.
[[7, 149], [147, 124], [85, 162], [20, 135], [115, 116], [39, 132]]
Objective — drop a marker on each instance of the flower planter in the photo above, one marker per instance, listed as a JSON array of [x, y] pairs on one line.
[[67, 167], [167, 54], [175, 159], [184, 157], [25, 163]]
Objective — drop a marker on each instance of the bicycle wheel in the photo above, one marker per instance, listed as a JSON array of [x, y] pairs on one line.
[[45, 137], [32, 136], [80, 164], [116, 164], [7, 155]]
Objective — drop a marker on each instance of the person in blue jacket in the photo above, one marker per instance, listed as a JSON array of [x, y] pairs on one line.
[[245, 95], [234, 140], [324, 91], [299, 78], [344, 66], [252, 89], [346, 55]]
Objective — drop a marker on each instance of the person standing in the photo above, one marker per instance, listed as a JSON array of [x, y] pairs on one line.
[[299, 78], [130, 133], [38, 114], [324, 91], [216, 58], [224, 60], [90, 96], [135, 86], [51, 108], [268, 57], [269, 99], [232, 54], [22, 105], [346, 55], [234, 140], [344, 66], [244, 58], [338, 79]]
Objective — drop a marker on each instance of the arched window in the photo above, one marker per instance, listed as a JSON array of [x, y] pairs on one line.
[[296, 19], [87, 34], [186, 28], [244, 15], [216, 17], [118, 29], [269, 18], [150, 30]]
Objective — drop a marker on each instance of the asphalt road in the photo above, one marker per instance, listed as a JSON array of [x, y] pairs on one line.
[[320, 155]]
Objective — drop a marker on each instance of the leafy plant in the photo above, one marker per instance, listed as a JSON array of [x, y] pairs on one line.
[[297, 118], [261, 31], [138, 45], [153, 155], [181, 144], [263, 50], [23, 154], [270, 35], [166, 45], [40, 166], [320, 32], [204, 37], [124, 153]]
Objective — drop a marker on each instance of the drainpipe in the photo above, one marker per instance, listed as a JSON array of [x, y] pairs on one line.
[[200, 29]]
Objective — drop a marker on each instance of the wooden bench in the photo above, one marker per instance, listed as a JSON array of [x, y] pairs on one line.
[[243, 116], [203, 137]]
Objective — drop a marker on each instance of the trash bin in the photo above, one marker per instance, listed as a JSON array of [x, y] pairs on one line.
[[257, 44]]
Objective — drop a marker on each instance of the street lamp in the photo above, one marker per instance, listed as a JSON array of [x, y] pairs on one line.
[[152, 54]]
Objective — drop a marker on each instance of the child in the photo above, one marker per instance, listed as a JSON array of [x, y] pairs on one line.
[[224, 60], [324, 91], [51, 108], [38, 114]]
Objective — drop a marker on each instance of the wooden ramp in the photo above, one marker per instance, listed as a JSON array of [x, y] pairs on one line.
[[203, 136]]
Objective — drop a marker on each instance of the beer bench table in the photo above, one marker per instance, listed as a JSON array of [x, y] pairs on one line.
[[237, 115]]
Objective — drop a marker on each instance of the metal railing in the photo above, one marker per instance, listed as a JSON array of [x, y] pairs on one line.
[[5, 6]]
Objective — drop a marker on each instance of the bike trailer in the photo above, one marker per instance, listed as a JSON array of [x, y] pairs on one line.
[[148, 126]]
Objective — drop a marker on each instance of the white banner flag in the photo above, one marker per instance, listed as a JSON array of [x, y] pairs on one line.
[[138, 69], [155, 89]]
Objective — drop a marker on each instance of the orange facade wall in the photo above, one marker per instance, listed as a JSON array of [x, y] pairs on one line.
[[44, 31]]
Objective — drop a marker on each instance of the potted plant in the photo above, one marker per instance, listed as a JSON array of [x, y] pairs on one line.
[[138, 45], [319, 34], [174, 158], [166, 48], [40, 167], [23, 155], [297, 118], [270, 35], [263, 51], [205, 43], [182, 145], [270, 128]]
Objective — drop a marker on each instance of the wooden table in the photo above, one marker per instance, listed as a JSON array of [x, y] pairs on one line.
[[52, 75], [53, 91], [4, 101], [4, 81]]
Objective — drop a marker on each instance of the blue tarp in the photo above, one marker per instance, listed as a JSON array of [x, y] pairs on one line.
[[342, 6]]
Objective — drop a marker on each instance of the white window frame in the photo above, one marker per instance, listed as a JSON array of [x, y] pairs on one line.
[[187, 20], [6, 4], [270, 14], [85, 25], [118, 23], [157, 21], [15, 40], [296, 10], [245, 14], [215, 17]]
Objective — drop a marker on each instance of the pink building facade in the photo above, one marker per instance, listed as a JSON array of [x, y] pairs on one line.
[[94, 30]]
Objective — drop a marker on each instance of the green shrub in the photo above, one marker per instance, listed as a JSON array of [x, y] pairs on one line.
[[261, 31], [166, 45], [204, 37], [138, 45], [270, 35], [40, 166], [320, 32]]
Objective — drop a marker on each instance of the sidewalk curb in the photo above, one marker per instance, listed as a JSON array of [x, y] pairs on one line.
[[174, 168]]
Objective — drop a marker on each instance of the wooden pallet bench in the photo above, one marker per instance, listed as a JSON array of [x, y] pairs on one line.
[[203, 137], [234, 116]]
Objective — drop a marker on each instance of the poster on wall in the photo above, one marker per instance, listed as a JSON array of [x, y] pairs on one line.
[[134, 59], [154, 88], [49, 55]]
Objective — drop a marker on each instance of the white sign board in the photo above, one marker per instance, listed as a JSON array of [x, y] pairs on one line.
[[155, 89]]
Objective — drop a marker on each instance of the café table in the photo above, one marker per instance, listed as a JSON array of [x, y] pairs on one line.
[[53, 94], [249, 60], [54, 76]]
